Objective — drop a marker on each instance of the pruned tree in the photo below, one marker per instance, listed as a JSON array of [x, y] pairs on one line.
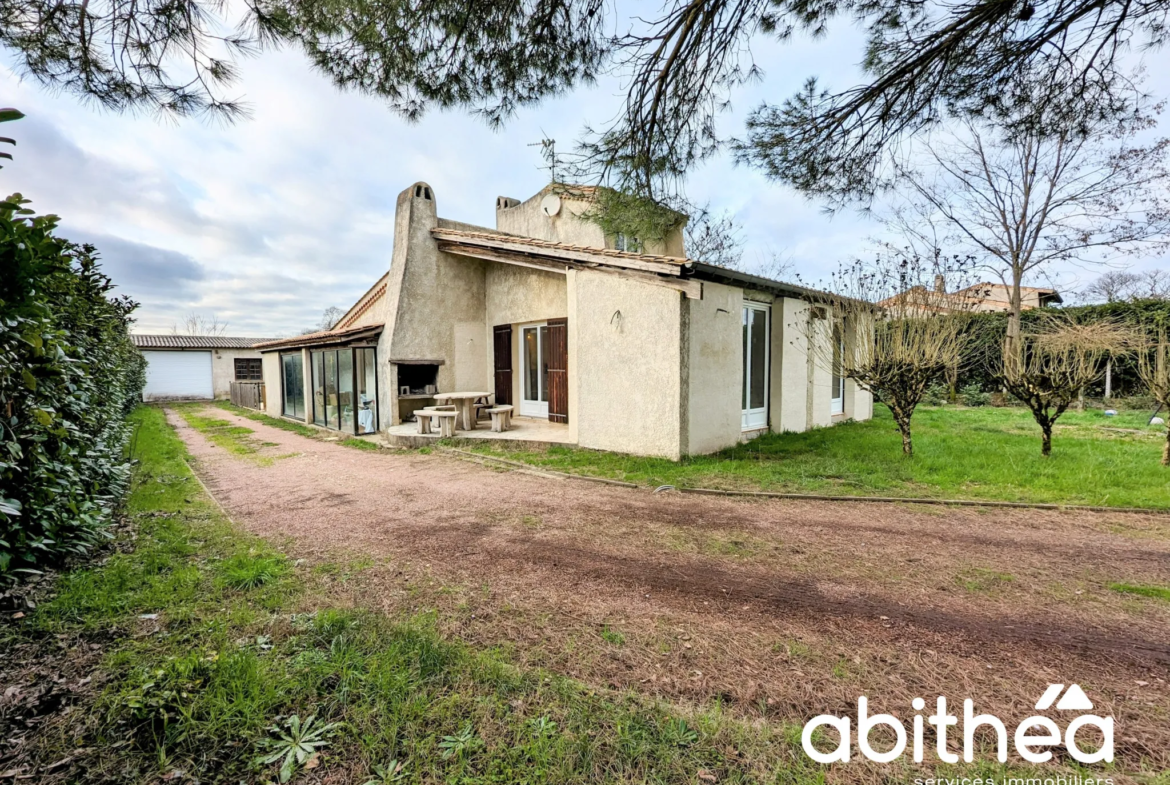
[[906, 331], [1048, 367], [1026, 198], [1153, 364], [198, 324]]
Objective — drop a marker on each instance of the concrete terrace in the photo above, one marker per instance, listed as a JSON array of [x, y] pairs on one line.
[[531, 430]]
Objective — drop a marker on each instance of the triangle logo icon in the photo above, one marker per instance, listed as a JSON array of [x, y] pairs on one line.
[[1049, 697], [1074, 700]]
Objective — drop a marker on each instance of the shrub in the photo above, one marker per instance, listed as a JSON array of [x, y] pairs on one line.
[[973, 395], [935, 395], [69, 374]]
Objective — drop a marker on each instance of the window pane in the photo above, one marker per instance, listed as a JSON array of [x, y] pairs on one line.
[[544, 349], [747, 357], [366, 395], [531, 361], [319, 387], [345, 388], [294, 383], [331, 390], [759, 350], [838, 360]]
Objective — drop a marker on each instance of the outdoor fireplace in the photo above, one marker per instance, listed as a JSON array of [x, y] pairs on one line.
[[418, 378]]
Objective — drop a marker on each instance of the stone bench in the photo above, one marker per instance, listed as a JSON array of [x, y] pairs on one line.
[[445, 415], [501, 418], [446, 420]]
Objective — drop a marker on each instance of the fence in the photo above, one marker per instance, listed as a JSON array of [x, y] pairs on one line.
[[248, 394]]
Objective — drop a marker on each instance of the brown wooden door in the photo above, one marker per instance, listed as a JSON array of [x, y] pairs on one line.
[[503, 354], [558, 370]]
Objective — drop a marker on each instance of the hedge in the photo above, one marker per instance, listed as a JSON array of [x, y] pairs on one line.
[[988, 330], [69, 375]]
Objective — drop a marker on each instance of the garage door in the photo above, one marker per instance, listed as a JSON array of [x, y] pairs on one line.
[[177, 375]]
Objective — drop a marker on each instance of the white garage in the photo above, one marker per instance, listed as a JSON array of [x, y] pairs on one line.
[[181, 367], [171, 375]]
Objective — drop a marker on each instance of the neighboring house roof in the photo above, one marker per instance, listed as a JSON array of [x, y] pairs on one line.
[[1045, 294], [321, 338], [975, 297], [193, 341]]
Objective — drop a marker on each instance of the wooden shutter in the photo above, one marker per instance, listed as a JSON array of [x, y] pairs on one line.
[[502, 340], [558, 370]]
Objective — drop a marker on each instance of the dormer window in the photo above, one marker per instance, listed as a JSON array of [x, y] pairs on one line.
[[622, 242]]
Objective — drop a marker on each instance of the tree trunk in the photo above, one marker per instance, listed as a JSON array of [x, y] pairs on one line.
[[904, 427], [1166, 448], [1046, 439], [1015, 306], [1109, 378]]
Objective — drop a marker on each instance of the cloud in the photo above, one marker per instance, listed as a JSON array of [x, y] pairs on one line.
[[144, 272]]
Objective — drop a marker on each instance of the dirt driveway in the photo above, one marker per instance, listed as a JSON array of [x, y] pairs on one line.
[[780, 609]]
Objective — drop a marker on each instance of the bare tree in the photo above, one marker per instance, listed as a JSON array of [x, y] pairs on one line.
[[1122, 285], [1111, 287], [1152, 285], [1153, 354], [902, 331], [714, 239], [1024, 200], [198, 324], [1049, 367], [330, 317]]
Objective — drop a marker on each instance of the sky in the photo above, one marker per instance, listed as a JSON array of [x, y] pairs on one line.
[[265, 223]]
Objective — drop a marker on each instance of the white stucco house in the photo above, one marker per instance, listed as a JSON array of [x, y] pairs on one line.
[[645, 352]]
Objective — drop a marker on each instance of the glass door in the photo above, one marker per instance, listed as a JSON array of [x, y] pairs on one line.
[[838, 369], [534, 348], [756, 366]]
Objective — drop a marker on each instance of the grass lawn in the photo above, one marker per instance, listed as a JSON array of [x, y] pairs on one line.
[[212, 642], [960, 453]]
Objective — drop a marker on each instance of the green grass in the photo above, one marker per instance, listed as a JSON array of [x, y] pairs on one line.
[[980, 454], [298, 428], [1156, 592], [240, 647]]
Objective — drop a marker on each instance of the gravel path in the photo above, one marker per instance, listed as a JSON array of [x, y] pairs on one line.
[[790, 607]]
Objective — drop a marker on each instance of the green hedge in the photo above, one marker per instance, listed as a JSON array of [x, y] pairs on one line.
[[69, 375], [988, 330]]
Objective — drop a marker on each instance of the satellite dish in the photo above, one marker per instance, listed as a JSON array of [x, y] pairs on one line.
[[551, 205]]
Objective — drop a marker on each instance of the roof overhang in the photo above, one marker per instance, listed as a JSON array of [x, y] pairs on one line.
[[663, 271], [725, 275], [328, 338]]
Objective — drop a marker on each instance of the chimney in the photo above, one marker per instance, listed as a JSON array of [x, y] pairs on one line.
[[940, 284]]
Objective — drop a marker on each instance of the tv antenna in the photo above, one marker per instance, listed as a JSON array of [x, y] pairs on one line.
[[548, 151]]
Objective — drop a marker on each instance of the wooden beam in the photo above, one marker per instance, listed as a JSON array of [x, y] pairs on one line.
[[562, 253], [691, 288]]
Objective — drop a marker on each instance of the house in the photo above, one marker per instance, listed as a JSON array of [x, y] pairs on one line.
[[978, 298], [638, 350], [998, 297], [196, 366]]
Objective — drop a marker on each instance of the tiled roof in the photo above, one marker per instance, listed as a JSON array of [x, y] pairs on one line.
[[193, 341], [321, 337], [549, 248]]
